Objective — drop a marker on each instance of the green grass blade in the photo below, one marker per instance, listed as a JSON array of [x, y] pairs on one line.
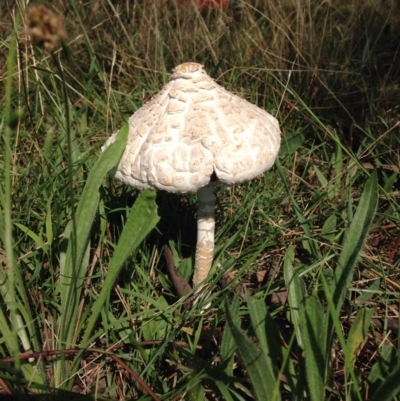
[[29, 371], [49, 224], [352, 386], [314, 340], [264, 328], [390, 387], [73, 274], [329, 228], [258, 369], [310, 243], [12, 283], [258, 313], [39, 241], [296, 293], [354, 239], [141, 220], [228, 345], [307, 318], [387, 362], [359, 331], [291, 142], [6, 201], [223, 388]]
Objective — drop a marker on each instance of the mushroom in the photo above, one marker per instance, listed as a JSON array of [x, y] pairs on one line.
[[192, 137]]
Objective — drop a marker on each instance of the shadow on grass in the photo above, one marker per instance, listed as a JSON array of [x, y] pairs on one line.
[[56, 395]]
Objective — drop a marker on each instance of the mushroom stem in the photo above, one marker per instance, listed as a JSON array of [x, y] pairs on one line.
[[205, 234]]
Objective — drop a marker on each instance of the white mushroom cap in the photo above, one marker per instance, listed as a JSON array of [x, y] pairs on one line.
[[194, 133]]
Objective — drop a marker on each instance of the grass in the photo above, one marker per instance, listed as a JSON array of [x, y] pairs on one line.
[[305, 279]]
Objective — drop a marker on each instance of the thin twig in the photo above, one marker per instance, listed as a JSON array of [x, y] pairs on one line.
[[144, 386], [73, 351]]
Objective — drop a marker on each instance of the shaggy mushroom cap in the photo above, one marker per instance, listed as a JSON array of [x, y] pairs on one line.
[[194, 133]]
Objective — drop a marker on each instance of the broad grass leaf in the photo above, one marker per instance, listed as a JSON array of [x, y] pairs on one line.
[[223, 388], [290, 143], [185, 266], [72, 274], [228, 345], [307, 318], [334, 323], [258, 314], [296, 293], [314, 340], [326, 185], [268, 339], [370, 291], [18, 325], [386, 363], [40, 243], [138, 347], [338, 162], [324, 182], [329, 229], [358, 331], [353, 243], [154, 323], [258, 368], [185, 269], [141, 220], [354, 239], [29, 371], [197, 392], [49, 223], [390, 386]]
